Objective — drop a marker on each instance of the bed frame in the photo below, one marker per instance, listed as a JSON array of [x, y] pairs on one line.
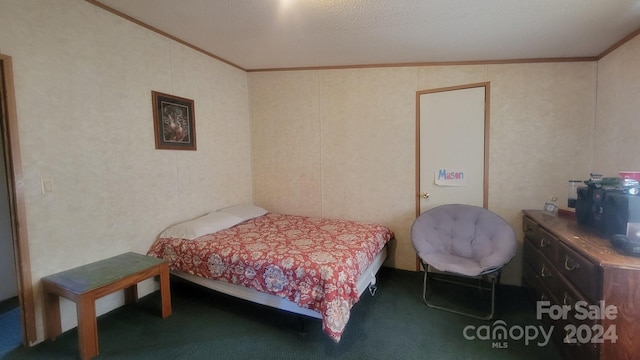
[[367, 280]]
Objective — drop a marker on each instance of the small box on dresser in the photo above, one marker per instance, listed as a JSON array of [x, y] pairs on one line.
[[572, 268]]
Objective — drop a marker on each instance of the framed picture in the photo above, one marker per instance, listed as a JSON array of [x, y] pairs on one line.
[[174, 122], [550, 208]]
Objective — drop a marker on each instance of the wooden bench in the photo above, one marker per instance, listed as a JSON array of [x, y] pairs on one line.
[[84, 284]]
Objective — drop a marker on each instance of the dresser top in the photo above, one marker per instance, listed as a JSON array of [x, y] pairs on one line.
[[584, 239]]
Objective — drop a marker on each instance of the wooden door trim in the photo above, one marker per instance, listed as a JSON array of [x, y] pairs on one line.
[[485, 181], [16, 202]]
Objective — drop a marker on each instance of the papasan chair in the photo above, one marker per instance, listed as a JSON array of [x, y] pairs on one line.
[[463, 242]]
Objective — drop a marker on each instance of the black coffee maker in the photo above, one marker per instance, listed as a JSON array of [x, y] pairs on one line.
[[611, 206]]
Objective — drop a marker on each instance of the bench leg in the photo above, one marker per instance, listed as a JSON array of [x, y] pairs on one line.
[[131, 294], [52, 313], [165, 291], [87, 327]]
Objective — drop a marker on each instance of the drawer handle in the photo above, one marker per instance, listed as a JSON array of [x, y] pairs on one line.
[[543, 297], [528, 228], [544, 242], [569, 264], [544, 272], [567, 300]]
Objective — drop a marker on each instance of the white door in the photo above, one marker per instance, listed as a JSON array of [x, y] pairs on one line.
[[452, 126]]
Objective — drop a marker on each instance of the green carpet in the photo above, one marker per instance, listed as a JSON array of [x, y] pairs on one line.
[[394, 324]]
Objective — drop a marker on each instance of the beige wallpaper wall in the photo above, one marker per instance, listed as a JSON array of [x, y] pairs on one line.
[[542, 118], [83, 81], [617, 142], [337, 143]]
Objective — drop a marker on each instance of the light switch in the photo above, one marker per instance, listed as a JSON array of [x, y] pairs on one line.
[[47, 186]]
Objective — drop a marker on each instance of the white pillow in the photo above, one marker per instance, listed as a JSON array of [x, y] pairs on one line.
[[207, 224], [246, 212]]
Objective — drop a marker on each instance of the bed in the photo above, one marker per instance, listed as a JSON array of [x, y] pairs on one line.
[[311, 266]]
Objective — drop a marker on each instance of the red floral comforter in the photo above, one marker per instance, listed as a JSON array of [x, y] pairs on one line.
[[313, 262]]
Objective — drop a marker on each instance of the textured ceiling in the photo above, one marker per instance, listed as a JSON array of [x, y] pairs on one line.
[[265, 34]]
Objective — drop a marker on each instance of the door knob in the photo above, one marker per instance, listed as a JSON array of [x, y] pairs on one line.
[[424, 195]]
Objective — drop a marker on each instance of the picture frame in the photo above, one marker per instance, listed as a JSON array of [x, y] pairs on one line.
[[550, 208], [174, 122]]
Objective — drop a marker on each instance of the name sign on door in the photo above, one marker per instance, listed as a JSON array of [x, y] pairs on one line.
[[448, 177]]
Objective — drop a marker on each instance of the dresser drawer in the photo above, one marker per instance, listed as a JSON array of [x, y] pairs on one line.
[[562, 328], [540, 238], [574, 334], [535, 286], [547, 244], [530, 228], [544, 269], [582, 273], [577, 335], [573, 349]]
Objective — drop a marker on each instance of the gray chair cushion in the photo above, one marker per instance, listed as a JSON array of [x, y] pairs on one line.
[[463, 239]]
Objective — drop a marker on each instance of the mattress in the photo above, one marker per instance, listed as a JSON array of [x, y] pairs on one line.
[[319, 265]]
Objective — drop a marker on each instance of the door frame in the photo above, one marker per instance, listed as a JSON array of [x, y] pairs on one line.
[[11, 151], [485, 180]]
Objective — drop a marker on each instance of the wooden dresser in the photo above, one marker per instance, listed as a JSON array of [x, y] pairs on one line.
[[574, 269]]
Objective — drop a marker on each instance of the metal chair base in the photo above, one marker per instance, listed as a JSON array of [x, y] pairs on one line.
[[494, 280]]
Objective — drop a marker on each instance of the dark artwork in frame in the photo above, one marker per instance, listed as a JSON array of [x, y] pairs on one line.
[[173, 122]]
